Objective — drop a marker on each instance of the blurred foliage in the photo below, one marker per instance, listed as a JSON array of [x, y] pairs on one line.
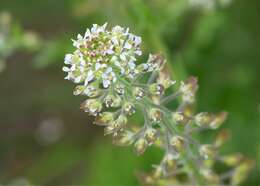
[[220, 46]]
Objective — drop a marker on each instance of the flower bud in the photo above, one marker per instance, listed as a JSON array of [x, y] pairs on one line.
[[104, 118], [123, 139], [120, 89], [188, 89], [242, 171], [112, 101], [218, 119], [221, 138], [91, 91], [156, 62], [178, 143], [232, 160], [156, 89], [93, 106], [155, 115], [138, 93], [207, 151], [170, 163], [203, 119], [128, 108], [210, 176], [150, 135], [140, 146], [180, 118], [79, 90], [158, 172]]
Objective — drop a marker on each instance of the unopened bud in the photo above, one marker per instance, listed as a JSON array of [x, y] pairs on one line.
[[156, 89], [155, 115], [140, 146], [221, 138], [218, 120], [203, 119], [232, 160], [150, 135], [123, 139], [207, 151], [178, 143], [93, 106], [112, 101], [104, 118], [128, 108], [242, 171], [138, 93]]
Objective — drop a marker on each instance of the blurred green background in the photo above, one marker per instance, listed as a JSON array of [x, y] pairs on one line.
[[46, 140]]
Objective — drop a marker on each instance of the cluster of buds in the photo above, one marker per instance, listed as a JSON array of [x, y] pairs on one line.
[[103, 67]]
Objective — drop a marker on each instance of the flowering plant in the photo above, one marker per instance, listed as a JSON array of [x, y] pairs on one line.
[[104, 67]]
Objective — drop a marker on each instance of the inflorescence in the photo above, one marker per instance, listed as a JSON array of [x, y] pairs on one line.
[[104, 67]]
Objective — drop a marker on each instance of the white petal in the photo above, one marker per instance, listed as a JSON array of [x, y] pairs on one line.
[[66, 69]]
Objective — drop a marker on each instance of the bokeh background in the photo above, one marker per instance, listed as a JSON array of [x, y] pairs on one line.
[[46, 140]]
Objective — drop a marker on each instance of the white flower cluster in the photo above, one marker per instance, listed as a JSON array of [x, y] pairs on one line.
[[103, 54]]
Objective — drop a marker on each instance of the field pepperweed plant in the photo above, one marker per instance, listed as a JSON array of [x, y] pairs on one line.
[[104, 67]]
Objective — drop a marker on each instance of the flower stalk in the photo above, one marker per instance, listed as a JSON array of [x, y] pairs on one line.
[[106, 70]]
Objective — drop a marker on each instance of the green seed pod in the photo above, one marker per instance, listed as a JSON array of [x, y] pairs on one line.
[[178, 143], [92, 106], [140, 146], [104, 118], [208, 151]]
